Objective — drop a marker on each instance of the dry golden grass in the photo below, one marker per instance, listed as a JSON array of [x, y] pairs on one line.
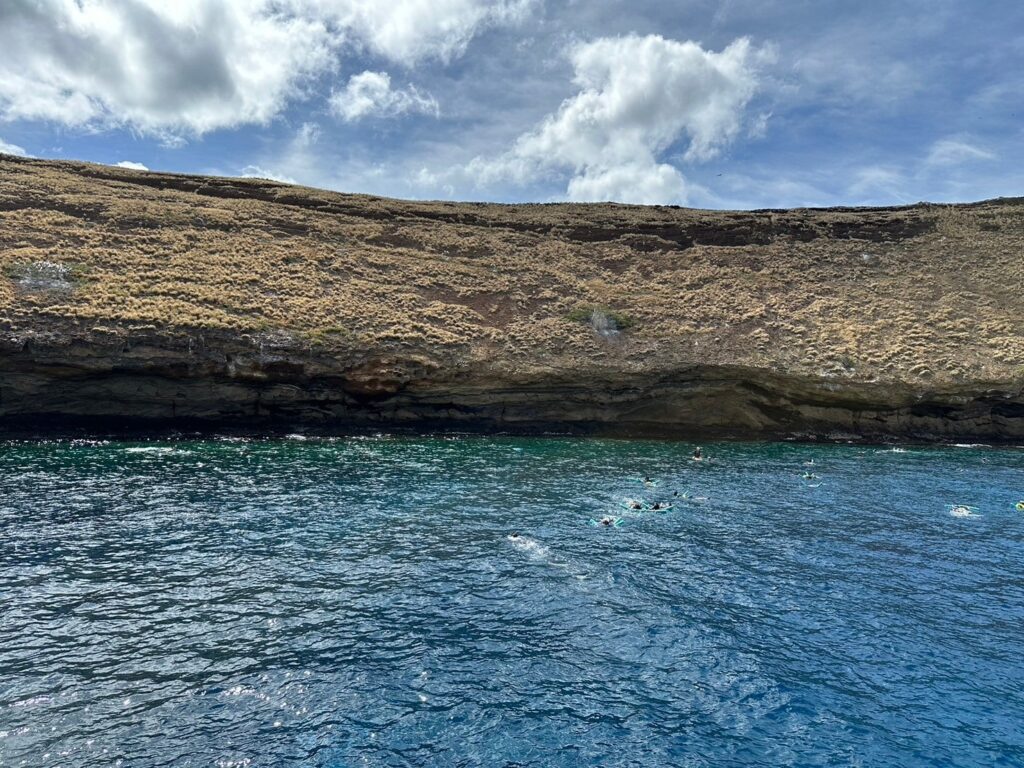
[[927, 293]]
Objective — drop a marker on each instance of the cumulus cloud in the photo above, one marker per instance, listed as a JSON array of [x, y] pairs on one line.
[[370, 94], [644, 182], [132, 165], [12, 149], [175, 69], [189, 66], [955, 151], [639, 96], [409, 31]]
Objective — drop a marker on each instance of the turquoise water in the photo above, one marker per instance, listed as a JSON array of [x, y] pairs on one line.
[[358, 602]]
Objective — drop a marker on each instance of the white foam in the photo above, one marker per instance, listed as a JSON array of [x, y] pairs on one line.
[[530, 546], [961, 510]]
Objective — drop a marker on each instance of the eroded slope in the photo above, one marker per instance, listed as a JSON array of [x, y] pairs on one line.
[[221, 291]]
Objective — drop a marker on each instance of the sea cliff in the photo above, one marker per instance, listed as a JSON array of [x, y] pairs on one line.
[[132, 300]]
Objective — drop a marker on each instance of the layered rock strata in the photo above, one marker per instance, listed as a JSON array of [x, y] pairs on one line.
[[146, 301]]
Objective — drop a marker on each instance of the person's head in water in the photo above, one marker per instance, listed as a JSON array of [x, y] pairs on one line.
[[636, 505], [697, 453], [514, 535]]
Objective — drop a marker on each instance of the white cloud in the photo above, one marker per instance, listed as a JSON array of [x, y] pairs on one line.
[[132, 165], [184, 68], [409, 31], [638, 97], [645, 183], [370, 94], [954, 151], [12, 149], [162, 68], [257, 172]]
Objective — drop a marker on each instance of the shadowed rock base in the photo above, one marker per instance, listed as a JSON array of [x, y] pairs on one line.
[[152, 388]]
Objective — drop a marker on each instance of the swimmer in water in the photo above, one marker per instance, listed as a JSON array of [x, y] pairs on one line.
[[608, 520], [656, 506], [1020, 506], [698, 455], [962, 510], [810, 476], [514, 535], [635, 505]]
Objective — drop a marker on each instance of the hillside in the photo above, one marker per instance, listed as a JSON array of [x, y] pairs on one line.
[[135, 298]]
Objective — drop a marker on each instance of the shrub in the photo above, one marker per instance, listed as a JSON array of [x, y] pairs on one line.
[[44, 275], [601, 319]]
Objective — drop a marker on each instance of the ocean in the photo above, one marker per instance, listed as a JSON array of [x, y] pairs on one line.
[[457, 601]]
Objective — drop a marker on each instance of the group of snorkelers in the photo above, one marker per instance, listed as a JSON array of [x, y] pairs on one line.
[[635, 505], [809, 474], [658, 506]]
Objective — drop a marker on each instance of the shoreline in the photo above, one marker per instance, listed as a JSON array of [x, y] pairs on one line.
[[105, 430]]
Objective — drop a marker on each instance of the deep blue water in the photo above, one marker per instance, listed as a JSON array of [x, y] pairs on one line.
[[358, 602]]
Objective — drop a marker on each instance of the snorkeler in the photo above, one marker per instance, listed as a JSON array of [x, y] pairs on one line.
[[810, 476], [635, 505], [1020, 506], [962, 510], [698, 455]]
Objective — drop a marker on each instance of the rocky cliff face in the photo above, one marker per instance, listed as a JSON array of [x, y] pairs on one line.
[[140, 300]]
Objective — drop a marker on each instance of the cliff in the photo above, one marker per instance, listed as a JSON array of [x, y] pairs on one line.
[[147, 300]]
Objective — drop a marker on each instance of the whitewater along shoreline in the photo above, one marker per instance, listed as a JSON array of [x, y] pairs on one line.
[[146, 303]]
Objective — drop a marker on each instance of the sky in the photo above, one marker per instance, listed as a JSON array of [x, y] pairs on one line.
[[727, 104]]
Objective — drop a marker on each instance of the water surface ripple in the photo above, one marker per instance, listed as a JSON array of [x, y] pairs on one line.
[[359, 602]]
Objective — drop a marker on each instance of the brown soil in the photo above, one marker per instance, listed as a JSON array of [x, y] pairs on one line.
[[926, 296]]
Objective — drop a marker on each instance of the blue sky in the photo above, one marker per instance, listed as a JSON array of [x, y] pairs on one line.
[[729, 104]]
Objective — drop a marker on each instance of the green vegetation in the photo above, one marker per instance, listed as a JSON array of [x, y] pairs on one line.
[[331, 335], [45, 275], [601, 317]]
